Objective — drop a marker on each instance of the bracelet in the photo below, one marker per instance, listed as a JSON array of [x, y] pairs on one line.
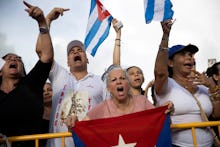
[[215, 89], [43, 30], [215, 96], [163, 48], [117, 39], [165, 39]]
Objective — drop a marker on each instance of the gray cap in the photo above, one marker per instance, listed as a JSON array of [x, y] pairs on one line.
[[73, 44]]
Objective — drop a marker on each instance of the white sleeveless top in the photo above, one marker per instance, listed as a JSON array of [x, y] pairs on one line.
[[186, 111]]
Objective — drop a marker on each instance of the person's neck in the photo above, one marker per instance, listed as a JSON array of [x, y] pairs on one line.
[[8, 85], [124, 106], [135, 91], [80, 74], [47, 112], [185, 83]]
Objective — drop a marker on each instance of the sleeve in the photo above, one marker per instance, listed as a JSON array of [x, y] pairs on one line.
[[161, 99], [96, 112], [58, 76], [149, 105], [39, 74]]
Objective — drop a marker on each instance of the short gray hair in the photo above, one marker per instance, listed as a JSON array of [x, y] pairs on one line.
[[115, 67]]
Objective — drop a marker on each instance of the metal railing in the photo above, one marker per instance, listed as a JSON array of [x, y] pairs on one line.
[[196, 125], [62, 135]]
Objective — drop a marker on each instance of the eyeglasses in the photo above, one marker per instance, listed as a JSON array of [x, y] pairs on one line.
[[15, 58]]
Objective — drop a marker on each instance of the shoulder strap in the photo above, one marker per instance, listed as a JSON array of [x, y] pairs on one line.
[[203, 114], [205, 118]]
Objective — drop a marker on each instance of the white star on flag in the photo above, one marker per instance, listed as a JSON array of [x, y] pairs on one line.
[[121, 143], [98, 27], [103, 9]]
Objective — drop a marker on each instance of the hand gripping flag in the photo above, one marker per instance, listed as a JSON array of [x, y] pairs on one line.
[[98, 26], [158, 10], [147, 128]]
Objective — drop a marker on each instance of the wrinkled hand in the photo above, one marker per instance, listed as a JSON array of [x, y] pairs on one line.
[[35, 12], [55, 13], [170, 108], [70, 121]]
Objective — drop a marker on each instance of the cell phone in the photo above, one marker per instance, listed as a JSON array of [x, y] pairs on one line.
[[119, 25]]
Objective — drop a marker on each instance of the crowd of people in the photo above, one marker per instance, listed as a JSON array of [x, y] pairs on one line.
[[31, 105]]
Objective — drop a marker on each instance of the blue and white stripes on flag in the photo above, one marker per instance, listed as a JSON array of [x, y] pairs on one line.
[[158, 10], [98, 26]]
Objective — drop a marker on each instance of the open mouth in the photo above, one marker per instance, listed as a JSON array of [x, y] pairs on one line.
[[188, 65], [137, 80], [77, 58], [120, 89], [12, 66]]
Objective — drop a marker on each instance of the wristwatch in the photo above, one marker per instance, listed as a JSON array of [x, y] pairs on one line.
[[44, 30]]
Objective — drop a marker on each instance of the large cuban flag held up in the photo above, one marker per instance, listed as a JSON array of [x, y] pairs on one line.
[[158, 10], [98, 26], [147, 128]]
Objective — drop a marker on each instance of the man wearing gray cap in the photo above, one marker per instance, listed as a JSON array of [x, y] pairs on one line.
[[75, 91], [85, 86]]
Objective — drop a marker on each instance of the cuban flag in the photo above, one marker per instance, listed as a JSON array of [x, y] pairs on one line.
[[158, 10], [98, 26], [147, 128]]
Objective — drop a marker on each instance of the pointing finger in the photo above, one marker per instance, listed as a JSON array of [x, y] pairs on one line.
[[27, 4], [66, 9], [63, 10]]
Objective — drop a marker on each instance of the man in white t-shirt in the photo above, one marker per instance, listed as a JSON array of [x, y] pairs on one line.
[[74, 91], [83, 86]]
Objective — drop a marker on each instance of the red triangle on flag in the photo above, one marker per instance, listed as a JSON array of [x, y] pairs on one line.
[[102, 12]]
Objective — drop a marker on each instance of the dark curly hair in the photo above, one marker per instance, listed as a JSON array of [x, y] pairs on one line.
[[213, 70]]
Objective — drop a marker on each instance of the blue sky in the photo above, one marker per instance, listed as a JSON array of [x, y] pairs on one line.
[[197, 22]]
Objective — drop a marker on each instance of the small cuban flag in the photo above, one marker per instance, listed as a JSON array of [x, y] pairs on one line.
[[98, 26], [158, 10]]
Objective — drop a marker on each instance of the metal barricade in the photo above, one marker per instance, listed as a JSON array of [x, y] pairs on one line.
[[62, 135]]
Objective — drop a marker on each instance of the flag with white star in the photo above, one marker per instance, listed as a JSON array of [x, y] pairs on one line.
[[147, 128]]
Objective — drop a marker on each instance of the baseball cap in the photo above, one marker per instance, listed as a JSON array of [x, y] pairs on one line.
[[73, 44], [178, 48]]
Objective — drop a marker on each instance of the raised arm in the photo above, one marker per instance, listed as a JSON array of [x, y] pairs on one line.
[[161, 64], [53, 15], [117, 51], [45, 50]]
